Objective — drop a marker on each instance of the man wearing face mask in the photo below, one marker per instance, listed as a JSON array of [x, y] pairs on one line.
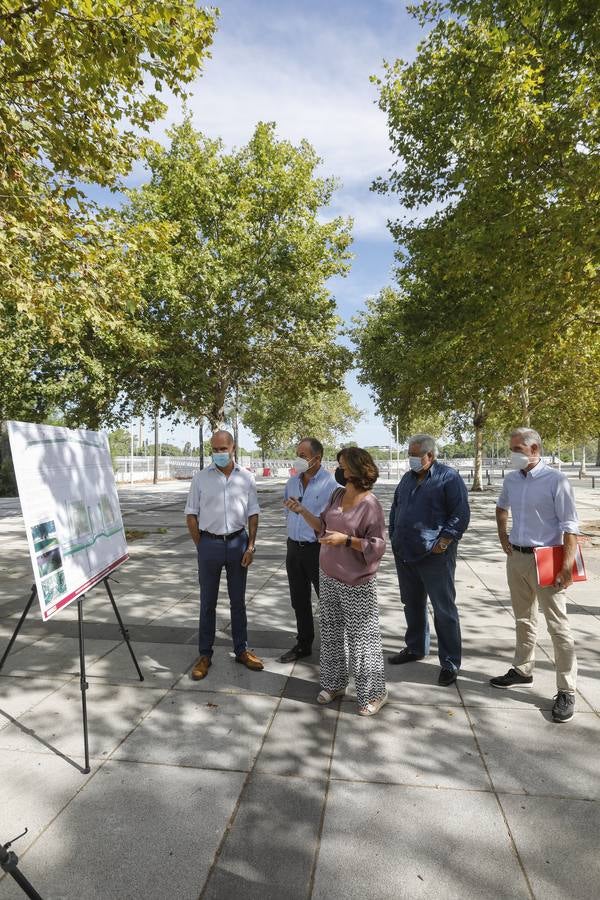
[[429, 514], [222, 518], [543, 515], [313, 487]]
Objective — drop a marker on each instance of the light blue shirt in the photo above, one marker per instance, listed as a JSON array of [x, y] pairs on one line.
[[222, 504], [315, 498], [542, 505]]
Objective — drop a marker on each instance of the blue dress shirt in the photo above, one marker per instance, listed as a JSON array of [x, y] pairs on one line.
[[542, 505], [315, 498], [423, 511]]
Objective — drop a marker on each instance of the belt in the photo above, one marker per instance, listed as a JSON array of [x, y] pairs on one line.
[[302, 543], [522, 549], [222, 537]]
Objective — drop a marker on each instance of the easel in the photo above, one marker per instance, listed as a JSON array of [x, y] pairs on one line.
[[82, 680]]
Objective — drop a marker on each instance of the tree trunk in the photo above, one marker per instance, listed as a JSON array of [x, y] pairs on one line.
[[479, 417], [216, 412], [478, 461], [155, 475], [262, 450], [524, 395], [583, 470], [598, 452], [236, 427], [201, 441]]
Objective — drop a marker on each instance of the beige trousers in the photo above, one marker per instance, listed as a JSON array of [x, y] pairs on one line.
[[526, 594]]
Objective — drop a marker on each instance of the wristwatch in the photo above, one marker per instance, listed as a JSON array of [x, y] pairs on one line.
[[250, 549], [348, 541], [444, 543]]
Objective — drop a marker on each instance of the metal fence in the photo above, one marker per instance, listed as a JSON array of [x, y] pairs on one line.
[[141, 468]]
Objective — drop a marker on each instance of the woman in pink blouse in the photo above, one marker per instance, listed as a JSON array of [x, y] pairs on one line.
[[351, 532]]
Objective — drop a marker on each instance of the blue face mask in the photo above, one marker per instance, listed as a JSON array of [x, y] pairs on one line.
[[221, 459]]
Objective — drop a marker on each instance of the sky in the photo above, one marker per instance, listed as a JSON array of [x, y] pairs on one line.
[[307, 67]]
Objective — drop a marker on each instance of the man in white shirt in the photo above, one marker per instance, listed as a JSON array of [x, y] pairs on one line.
[[543, 515], [222, 501]]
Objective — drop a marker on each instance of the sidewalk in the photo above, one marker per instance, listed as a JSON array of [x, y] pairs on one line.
[[242, 786]]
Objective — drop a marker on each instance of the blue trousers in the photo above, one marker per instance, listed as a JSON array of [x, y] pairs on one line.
[[213, 556], [431, 577]]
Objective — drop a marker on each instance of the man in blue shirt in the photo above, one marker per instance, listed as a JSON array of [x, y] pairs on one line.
[[429, 514], [313, 486], [543, 515]]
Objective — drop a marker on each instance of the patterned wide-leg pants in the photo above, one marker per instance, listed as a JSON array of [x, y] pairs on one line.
[[350, 638]]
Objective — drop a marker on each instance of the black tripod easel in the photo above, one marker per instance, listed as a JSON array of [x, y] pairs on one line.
[[82, 679], [8, 862]]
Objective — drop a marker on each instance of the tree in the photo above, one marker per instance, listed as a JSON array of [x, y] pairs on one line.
[[496, 115], [492, 123], [279, 417], [79, 84], [240, 292]]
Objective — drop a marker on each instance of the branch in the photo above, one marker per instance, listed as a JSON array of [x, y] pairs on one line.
[[24, 11]]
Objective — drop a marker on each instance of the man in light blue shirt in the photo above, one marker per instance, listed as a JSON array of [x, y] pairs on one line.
[[543, 515], [313, 486]]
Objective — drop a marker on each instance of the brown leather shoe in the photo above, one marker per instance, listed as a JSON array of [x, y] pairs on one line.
[[250, 660], [201, 667]]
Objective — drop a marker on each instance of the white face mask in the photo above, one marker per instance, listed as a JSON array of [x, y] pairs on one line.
[[519, 460], [415, 462], [302, 465]]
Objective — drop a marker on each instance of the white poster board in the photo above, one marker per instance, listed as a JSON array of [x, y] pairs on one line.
[[70, 508]]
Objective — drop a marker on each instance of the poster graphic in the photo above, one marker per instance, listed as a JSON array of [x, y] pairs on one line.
[[70, 508]]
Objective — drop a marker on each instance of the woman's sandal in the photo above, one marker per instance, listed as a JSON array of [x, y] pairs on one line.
[[374, 706], [329, 696]]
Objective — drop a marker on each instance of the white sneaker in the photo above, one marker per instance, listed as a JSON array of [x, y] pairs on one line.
[[329, 696], [374, 706]]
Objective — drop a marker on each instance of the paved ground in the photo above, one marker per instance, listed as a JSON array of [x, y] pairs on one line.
[[242, 786]]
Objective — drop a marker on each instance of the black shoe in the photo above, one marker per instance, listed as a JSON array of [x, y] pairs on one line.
[[511, 679], [564, 707], [297, 652], [404, 656], [447, 677]]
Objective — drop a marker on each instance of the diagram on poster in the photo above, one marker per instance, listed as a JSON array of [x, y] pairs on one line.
[[70, 507]]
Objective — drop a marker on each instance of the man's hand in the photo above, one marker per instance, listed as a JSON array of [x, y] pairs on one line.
[[334, 538], [564, 579], [247, 558], [504, 541], [293, 504], [441, 546]]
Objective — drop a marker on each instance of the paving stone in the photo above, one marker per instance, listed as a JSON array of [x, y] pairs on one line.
[[426, 745], [299, 741], [230, 677], [34, 788], [557, 841], [526, 752], [269, 850], [55, 655], [19, 695], [160, 828], [201, 729], [161, 664], [393, 842], [56, 724]]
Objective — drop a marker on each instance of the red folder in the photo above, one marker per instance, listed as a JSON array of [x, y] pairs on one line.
[[549, 560]]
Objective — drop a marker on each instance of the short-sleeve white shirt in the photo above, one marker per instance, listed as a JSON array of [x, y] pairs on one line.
[[222, 505], [542, 506]]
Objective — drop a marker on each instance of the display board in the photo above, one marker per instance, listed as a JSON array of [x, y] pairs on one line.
[[70, 507]]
